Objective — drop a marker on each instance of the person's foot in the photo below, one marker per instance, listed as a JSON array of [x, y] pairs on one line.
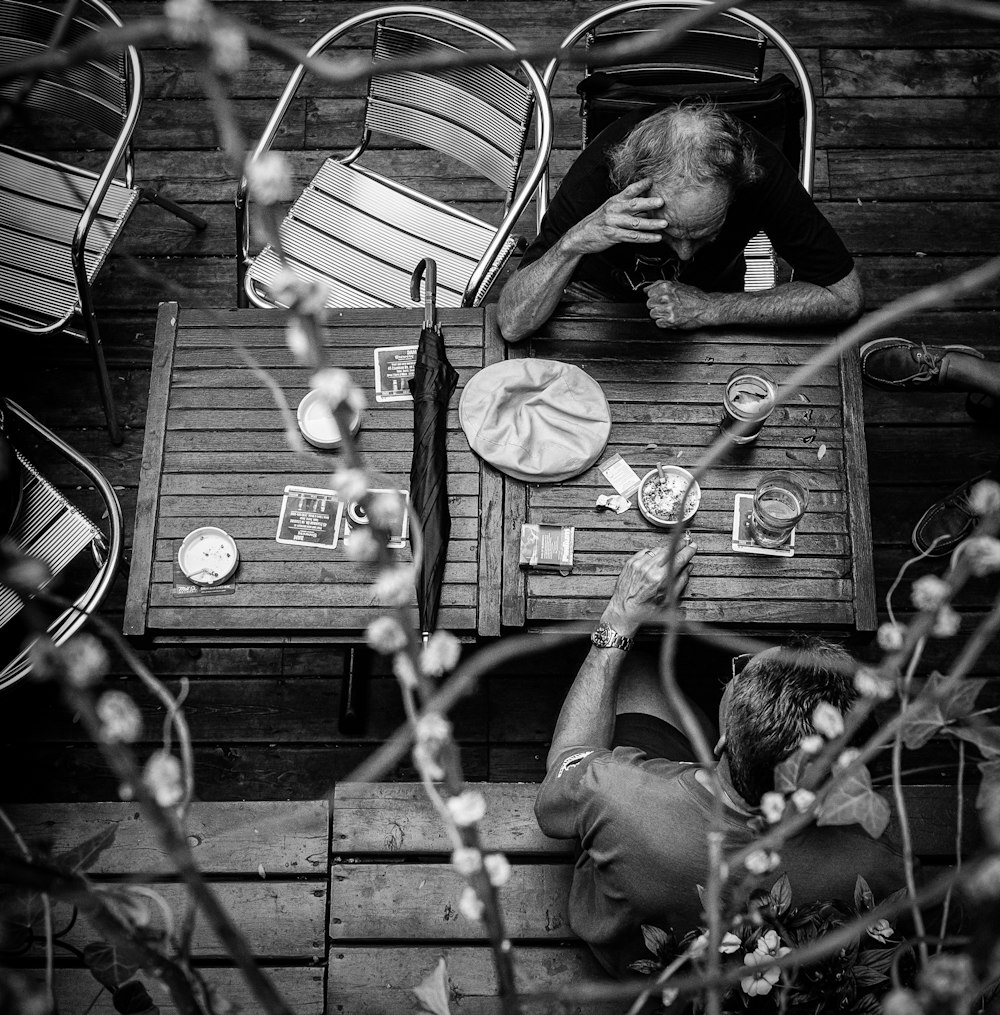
[[984, 409], [945, 524], [901, 365]]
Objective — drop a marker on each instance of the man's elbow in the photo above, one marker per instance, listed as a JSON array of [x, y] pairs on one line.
[[511, 329], [850, 296]]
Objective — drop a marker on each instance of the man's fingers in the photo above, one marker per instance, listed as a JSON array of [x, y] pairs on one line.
[[637, 188]]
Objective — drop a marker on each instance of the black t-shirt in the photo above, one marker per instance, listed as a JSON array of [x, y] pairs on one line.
[[777, 204]]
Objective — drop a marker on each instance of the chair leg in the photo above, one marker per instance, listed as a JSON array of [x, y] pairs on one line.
[[174, 208], [354, 691], [100, 367]]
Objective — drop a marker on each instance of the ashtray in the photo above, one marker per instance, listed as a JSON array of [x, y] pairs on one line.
[[318, 425], [208, 556], [659, 500]]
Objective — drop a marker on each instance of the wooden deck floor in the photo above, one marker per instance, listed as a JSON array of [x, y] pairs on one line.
[[909, 156]]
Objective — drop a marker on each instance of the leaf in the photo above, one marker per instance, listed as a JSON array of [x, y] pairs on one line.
[[658, 942], [879, 959], [432, 991], [922, 720], [261, 873], [853, 801], [84, 856], [781, 895], [865, 976], [986, 739], [788, 773], [645, 966], [110, 966], [989, 788], [958, 702], [867, 1005], [863, 898], [127, 906], [821, 452]]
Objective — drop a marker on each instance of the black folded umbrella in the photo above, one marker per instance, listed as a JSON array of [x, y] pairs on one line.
[[433, 384]]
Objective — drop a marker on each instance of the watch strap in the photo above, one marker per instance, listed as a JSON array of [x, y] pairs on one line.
[[605, 636]]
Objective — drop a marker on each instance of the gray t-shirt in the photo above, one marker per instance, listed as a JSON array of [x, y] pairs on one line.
[[642, 825]]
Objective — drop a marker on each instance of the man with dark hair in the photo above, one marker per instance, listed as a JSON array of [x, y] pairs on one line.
[[659, 208], [625, 780]]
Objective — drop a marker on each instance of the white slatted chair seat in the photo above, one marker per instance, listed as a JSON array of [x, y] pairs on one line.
[[40, 206]]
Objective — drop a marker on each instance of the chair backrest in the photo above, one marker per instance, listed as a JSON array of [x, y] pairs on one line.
[[100, 92], [719, 57], [51, 529]]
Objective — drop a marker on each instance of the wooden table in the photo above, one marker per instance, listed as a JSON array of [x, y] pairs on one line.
[[665, 391], [215, 453]]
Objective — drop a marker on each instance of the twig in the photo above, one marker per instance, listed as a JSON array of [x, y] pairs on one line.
[[959, 823]]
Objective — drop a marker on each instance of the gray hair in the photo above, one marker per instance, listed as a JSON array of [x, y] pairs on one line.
[[693, 144]]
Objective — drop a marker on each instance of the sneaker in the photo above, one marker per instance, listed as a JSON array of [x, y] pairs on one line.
[[945, 524], [901, 365]]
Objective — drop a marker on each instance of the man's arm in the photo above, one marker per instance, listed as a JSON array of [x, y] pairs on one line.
[[678, 306], [531, 294], [587, 716]]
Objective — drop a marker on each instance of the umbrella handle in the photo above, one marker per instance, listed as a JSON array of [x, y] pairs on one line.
[[430, 289]]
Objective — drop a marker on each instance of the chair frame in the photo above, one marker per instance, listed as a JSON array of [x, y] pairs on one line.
[[516, 201], [121, 151], [807, 160], [107, 555]]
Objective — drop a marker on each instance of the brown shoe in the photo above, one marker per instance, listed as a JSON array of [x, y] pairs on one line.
[[901, 365], [945, 524]]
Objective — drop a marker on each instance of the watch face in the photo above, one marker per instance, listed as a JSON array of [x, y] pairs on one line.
[[208, 555]]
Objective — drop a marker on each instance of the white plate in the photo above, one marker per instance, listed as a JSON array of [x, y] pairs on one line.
[[208, 556], [317, 423], [694, 496]]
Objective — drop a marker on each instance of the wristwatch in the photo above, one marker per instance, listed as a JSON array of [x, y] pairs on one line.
[[607, 637]]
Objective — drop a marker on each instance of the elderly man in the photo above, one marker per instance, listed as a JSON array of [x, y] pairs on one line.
[[660, 209], [624, 780]]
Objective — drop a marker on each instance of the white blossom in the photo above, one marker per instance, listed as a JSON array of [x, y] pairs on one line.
[[427, 762], [730, 943], [762, 976], [120, 718], [890, 637], [698, 946], [772, 806], [881, 931], [497, 869], [467, 861], [467, 807], [929, 592], [288, 286], [769, 945], [982, 554], [394, 586], [803, 799], [268, 177], [441, 654], [811, 744], [984, 497], [386, 636], [404, 670], [870, 683], [760, 861], [828, 720], [229, 49], [470, 905], [847, 757], [349, 484], [946, 623], [164, 778], [187, 19], [432, 728], [83, 660], [386, 510], [668, 995], [298, 341], [362, 546], [902, 1002], [337, 387], [125, 791], [982, 882]]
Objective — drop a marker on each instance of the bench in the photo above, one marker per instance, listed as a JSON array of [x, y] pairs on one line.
[[358, 901]]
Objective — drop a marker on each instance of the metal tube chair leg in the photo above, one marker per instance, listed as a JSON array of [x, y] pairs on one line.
[[100, 365], [174, 208]]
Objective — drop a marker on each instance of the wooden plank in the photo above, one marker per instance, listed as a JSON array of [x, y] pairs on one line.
[[379, 981], [907, 123], [398, 819], [859, 508], [140, 568], [226, 838], [420, 902], [515, 514], [491, 508], [302, 988], [907, 174], [855, 73]]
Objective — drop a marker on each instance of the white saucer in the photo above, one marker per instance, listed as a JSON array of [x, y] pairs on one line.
[[208, 556], [317, 423]]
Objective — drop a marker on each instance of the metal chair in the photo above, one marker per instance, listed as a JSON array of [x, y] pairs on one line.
[[361, 233], [724, 60], [59, 222], [56, 532]]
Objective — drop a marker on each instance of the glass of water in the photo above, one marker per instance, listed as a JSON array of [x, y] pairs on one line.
[[747, 402], [779, 502]]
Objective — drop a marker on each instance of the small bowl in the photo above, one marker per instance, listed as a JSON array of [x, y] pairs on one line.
[[318, 425], [693, 498], [208, 556]]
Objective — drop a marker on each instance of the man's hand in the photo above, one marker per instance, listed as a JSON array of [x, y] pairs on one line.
[[676, 305], [644, 586], [626, 217]]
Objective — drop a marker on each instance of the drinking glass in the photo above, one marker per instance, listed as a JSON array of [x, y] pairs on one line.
[[779, 502], [747, 402]]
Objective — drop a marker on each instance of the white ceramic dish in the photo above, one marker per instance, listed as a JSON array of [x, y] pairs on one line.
[[318, 425], [208, 556], [678, 479]]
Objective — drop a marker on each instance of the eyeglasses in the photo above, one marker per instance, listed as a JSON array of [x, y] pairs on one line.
[[649, 270]]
